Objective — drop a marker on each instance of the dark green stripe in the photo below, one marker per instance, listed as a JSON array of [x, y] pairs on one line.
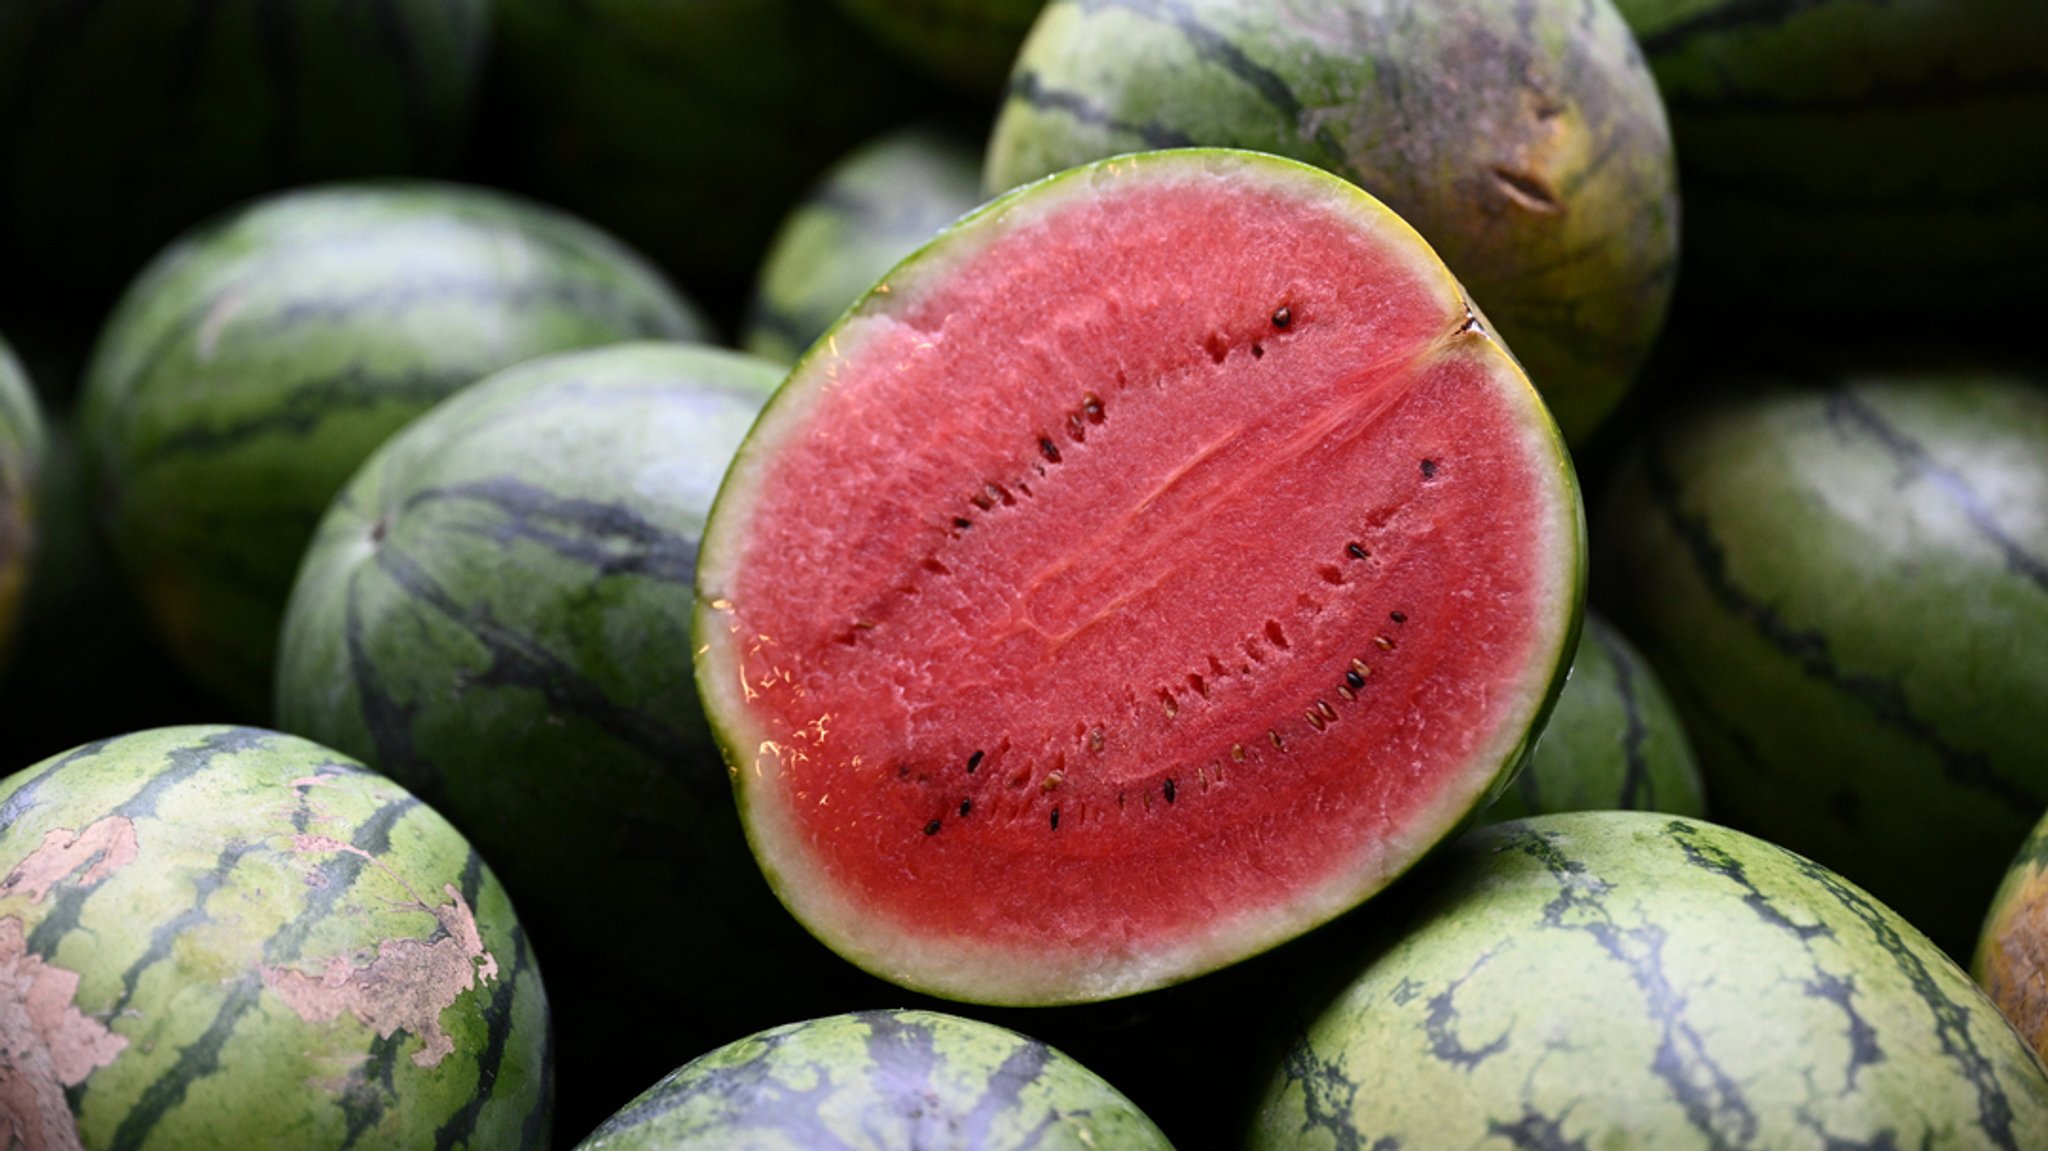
[[1018, 1072], [1884, 700], [610, 538], [517, 662], [498, 1021], [1440, 1025], [22, 799], [1844, 408], [1712, 1100], [302, 409], [387, 719], [1952, 1018], [1636, 789], [1730, 16], [1027, 86], [371, 1088], [334, 877], [195, 1062], [166, 934]]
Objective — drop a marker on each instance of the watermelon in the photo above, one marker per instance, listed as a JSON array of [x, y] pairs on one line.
[[1614, 741], [881, 1081], [689, 127], [2011, 958], [124, 122], [495, 612], [1523, 138], [226, 937], [256, 362], [1845, 156], [871, 209], [1633, 980], [1833, 578], [1255, 557], [21, 461]]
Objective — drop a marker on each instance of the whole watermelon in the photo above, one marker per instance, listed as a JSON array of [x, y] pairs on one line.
[[881, 1081], [1632, 980], [1524, 139], [125, 122], [495, 612], [255, 363], [21, 465], [219, 937], [1613, 742], [1856, 157], [873, 207], [1836, 579]]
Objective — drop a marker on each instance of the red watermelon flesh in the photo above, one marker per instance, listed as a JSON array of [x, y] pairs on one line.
[[1150, 569]]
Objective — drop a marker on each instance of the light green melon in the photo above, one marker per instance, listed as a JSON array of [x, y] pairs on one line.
[[1632, 981]]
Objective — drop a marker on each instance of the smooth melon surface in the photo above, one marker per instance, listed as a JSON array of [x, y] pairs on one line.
[[1150, 569]]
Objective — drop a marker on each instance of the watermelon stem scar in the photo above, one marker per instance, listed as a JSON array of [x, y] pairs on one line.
[[1037, 612]]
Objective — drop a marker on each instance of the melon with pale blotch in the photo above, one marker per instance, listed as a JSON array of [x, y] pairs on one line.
[[1165, 560], [226, 937]]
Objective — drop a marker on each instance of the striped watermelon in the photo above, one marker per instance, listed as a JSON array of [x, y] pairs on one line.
[[123, 122], [255, 363], [2011, 958], [1613, 742], [219, 937], [881, 1081], [495, 612], [1051, 606], [1632, 980], [1837, 581], [871, 209], [1523, 138], [1843, 155], [21, 463]]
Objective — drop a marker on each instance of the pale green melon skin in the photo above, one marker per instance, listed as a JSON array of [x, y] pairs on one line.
[[881, 1081], [878, 204], [255, 364], [1632, 980], [1614, 741], [1836, 581], [256, 853], [1526, 142]]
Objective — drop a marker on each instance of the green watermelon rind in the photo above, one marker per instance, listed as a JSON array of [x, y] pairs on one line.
[[967, 973]]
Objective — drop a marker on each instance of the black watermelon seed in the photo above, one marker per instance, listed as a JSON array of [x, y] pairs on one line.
[[1429, 469], [1356, 551], [1168, 790], [1354, 679], [1048, 449], [1055, 819], [1398, 617], [973, 761], [966, 805], [932, 828], [1282, 317]]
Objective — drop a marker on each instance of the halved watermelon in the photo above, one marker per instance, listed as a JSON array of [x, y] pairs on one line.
[[1152, 567]]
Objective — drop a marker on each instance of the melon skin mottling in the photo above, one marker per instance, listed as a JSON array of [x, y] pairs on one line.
[[2011, 958], [870, 741], [1629, 980], [255, 363], [1832, 577], [881, 1081], [228, 937], [1526, 141]]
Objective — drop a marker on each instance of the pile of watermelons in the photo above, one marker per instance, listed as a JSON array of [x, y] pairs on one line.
[[1213, 573]]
